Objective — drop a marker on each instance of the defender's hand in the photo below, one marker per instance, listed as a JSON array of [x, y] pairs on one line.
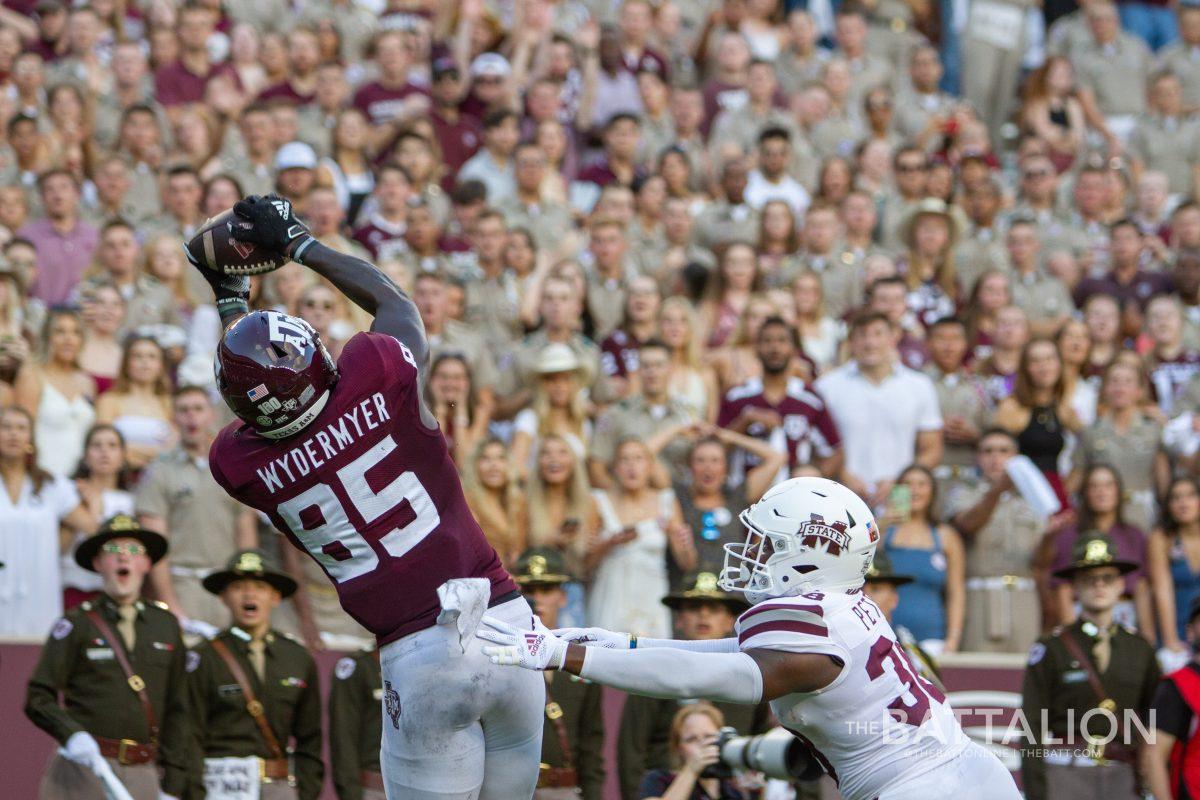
[[271, 221], [537, 649], [595, 637]]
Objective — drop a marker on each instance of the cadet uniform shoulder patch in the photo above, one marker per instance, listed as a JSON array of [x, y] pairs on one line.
[[344, 669], [62, 628], [1036, 653], [192, 661]]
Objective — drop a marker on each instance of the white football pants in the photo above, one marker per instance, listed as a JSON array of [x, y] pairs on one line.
[[466, 729], [973, 773]]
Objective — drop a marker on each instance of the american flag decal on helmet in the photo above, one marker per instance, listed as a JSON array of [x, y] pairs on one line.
[[257, 393]]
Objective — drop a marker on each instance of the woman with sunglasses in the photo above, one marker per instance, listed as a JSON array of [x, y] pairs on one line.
[[33, 505]]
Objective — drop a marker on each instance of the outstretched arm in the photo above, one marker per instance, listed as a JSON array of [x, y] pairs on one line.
[[613, 640], [743, 677]]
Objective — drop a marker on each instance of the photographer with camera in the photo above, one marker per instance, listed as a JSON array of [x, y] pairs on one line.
[[695, 758]]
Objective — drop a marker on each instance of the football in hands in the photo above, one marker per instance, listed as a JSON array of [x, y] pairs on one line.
[[216, 246]]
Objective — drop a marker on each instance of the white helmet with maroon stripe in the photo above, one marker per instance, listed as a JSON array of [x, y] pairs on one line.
[[804, 535]]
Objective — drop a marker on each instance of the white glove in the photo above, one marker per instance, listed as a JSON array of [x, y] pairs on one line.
[[165, 796], [595, 637], [81, 748], [537, 649]]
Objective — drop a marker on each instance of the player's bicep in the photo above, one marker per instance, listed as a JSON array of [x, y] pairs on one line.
[[786, 672], [402, 370]]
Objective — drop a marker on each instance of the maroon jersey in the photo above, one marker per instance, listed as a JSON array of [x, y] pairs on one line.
[[381, 104], [619, 354], [808, 430], [368, 492], [383, 239]]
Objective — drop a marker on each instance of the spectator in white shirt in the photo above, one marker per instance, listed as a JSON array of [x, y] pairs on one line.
[[771, 180], [887, 413]]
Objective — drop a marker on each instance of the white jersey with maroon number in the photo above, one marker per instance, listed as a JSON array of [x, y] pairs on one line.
[[879, 723]]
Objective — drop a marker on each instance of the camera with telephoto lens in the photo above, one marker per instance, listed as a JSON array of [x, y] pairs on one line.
[[776, 754]]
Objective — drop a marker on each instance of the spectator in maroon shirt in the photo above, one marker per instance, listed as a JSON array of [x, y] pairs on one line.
[[780, 406], [621, 136], [387, 221], [391, 100], [304, 55], [1126, 280], [64, 244], [459, 134], [51, 16], [183, 82], [619, 351], [635, 21]]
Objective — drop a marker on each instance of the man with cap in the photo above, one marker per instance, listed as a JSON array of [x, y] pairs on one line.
[[880, 586], [355, 722], [295, 171], [702, 611], [572, 763], [118, 661], [1081, 682], [1173, 766], [253, 689]]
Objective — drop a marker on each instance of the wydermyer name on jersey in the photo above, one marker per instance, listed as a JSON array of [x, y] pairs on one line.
[[326, 443]]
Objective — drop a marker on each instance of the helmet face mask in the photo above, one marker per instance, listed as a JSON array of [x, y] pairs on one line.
[[804, 535], [274, 372]]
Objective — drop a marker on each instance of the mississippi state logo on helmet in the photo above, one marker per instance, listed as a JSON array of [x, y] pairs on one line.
[[274, 372], [806, 534]]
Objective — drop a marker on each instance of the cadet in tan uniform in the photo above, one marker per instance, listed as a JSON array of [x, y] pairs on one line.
[[1183, 57], [702, 611], [179, 499], [1128, 440], [961, 398], [253, 691], [118, 662], [573, 741], [1113, 67], [1043, 298], [1082, 676], [355, 720], [1167, 139], [652, 416], [992, 47], [1002, 535]]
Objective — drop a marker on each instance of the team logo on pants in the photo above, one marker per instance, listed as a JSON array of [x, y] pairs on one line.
[[391, 704]]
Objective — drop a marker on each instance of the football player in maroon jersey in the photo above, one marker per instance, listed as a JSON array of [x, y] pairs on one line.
[[349, 464]]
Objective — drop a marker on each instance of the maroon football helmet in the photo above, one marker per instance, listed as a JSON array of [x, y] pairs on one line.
[[274, 372]]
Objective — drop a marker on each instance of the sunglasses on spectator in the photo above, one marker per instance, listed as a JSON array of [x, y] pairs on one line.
[[489, 80], [910, 167], [1036, 173], [131, 549], [327, 304]]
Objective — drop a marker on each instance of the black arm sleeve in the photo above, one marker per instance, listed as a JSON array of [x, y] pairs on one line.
[[368, 288]]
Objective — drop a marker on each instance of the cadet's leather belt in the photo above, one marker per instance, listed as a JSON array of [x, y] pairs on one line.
[[557, 778], [994, 582], [371, 780], [127, 751]]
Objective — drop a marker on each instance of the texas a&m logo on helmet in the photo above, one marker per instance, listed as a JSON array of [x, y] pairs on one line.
[[274, 372]]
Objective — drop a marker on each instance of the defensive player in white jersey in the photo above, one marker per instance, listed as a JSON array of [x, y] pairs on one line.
[[812, 644]]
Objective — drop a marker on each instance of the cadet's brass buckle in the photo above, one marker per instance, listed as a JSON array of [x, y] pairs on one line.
[[123, 746], [262, 770], [254, 708], [136, 683]]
